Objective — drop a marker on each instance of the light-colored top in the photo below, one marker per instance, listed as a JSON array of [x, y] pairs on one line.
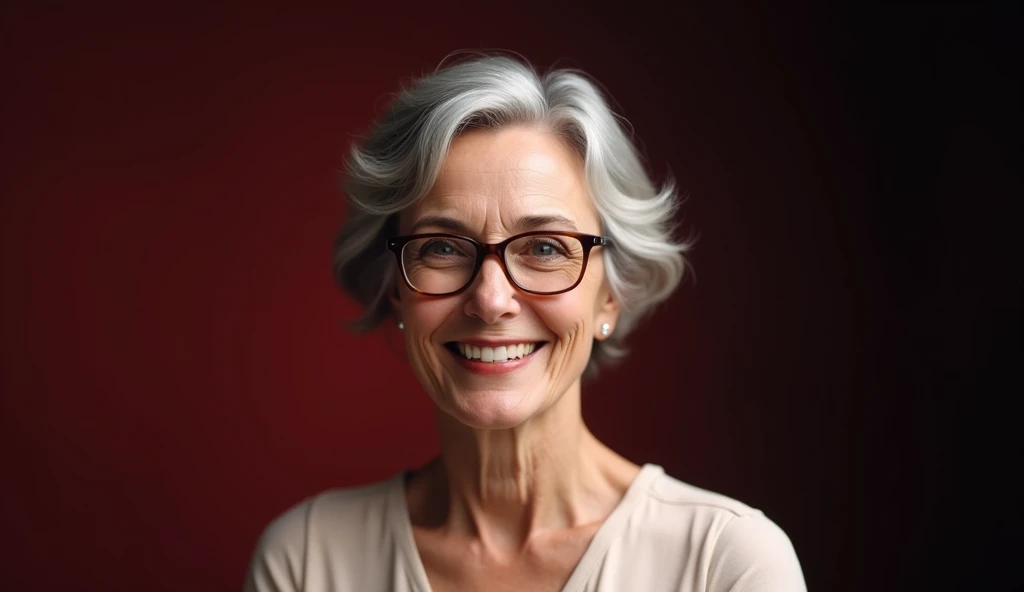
[[664, 535]]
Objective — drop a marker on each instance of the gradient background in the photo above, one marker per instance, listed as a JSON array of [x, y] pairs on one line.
[[175, 368]]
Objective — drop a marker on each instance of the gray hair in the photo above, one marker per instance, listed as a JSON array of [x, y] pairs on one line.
[[398, 162]]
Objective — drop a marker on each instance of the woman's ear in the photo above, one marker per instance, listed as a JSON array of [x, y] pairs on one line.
[[607, 313]]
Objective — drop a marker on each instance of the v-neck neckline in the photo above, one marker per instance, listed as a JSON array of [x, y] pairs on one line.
[[589, 561]]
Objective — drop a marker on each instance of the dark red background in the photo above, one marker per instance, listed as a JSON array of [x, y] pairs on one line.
[[175, 368]]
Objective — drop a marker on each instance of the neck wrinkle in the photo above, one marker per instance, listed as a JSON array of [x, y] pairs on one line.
[[504, 485]]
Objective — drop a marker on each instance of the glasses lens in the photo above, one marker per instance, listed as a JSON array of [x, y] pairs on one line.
[[438, 265], [546, 263]]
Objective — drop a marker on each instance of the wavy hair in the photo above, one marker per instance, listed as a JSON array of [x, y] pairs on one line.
[[398, 162]]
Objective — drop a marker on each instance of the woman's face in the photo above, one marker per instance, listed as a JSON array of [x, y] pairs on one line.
[[495, 184]]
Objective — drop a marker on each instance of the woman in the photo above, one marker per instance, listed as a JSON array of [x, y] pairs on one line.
[[504, 221]]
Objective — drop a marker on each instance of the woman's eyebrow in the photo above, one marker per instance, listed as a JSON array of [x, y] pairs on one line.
[[529, 222], [522, 224]]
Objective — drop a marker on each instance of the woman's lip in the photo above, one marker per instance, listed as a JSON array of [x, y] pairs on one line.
[[480, 367], [486, 343]]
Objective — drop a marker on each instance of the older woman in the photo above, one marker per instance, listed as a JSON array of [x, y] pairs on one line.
[[505, 222]]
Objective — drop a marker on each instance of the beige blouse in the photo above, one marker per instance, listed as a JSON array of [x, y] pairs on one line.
[[664, 535]]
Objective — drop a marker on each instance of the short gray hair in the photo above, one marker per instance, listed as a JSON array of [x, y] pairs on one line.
[[397, 163]]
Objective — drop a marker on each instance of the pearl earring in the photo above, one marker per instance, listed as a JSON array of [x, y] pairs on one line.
[[605, 329], [401, 326]]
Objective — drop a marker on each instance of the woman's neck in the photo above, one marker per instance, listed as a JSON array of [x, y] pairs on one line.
[[502, 486]]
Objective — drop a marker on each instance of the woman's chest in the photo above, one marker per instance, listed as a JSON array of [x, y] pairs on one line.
[[543, 565]]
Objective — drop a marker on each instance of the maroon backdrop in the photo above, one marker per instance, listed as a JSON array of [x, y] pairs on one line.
[[175, 367]]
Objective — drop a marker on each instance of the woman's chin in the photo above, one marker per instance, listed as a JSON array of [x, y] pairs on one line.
[[491, 410]]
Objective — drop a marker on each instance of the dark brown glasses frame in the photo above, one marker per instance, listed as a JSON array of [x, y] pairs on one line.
[[588, 241]]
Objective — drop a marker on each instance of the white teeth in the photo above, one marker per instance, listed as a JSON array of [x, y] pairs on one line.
[[502, 353]]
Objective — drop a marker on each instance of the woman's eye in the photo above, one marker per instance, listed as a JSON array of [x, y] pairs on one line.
[[543, 250], [440, 248]]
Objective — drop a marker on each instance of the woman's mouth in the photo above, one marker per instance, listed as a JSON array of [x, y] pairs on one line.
[[493, 354]]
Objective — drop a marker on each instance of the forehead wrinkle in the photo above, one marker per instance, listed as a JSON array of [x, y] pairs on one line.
[[547, 186], [458, 206], [498, 218], [542, 171], [494, 191]]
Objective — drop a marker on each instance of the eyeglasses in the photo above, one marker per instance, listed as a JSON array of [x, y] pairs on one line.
[[539, 262]]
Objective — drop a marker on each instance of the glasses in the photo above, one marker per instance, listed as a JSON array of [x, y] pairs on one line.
[[539, 262]]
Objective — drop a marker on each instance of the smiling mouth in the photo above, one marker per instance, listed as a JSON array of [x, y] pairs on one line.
[[496, 355]]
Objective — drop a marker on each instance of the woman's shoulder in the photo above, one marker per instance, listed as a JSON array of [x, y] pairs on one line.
[[338, 509], [330, 521], [668, 498], [739, 542], [338, 503], [672, 492]]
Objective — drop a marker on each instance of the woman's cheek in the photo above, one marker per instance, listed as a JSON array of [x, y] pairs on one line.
[[426, 363], [562, 362]]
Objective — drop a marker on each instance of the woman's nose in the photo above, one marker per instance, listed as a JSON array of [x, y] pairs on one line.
[[491, 295]]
